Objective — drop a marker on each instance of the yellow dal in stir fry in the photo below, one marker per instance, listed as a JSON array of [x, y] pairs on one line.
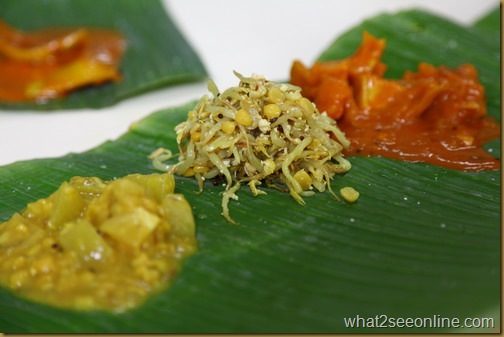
[[95, 245], [259, 132]]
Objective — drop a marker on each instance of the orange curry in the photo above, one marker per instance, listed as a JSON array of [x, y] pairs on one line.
[[437, 115], [46, 64]]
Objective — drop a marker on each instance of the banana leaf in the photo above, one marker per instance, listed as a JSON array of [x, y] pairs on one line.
[[422, 241], [157, 54]]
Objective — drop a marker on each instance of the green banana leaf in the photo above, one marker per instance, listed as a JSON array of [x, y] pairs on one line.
[[157, 54], [422, 241]]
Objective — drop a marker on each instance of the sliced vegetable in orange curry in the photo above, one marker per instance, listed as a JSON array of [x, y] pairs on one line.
[[50, 63], [437, 115]]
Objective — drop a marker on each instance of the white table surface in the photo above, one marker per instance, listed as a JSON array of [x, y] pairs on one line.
[[277, 32]]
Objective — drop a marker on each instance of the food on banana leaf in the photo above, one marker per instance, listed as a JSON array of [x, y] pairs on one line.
[[47, 64], [349, 194], [260, 132], [97, 245], [437, 115]]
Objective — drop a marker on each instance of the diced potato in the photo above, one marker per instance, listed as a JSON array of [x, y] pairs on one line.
[[157, 185], [122, 197], [82, 238], [97, 211], [68, 205], [132, 228], [124, 190], [179, 214], [88, 187], [39, 210]]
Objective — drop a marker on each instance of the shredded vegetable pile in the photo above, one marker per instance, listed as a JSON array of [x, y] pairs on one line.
[[260, 132]]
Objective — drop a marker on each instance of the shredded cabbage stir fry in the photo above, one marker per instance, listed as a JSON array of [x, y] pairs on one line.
[[260, 132]]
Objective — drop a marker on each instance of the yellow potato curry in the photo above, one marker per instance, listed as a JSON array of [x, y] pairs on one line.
[[98, 245]]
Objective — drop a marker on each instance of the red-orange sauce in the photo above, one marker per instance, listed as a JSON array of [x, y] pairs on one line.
[[436, 115], [49, 63]]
